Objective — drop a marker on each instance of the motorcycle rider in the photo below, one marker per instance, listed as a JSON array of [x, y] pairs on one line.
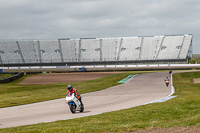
[[170, 72], [167, 81], [73, 90]]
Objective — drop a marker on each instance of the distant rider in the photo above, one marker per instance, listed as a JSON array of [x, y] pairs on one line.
[[167, 81], [170, 72], [73, 90]]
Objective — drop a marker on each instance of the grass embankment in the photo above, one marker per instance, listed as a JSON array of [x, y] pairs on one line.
[[184, 110], [3, 76], [12, 94]]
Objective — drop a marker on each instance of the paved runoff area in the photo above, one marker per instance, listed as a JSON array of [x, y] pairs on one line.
[[140, 90]]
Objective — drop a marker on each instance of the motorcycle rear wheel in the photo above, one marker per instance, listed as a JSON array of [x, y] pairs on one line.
[[82, 108]]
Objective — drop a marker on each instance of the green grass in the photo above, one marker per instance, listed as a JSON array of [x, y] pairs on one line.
[[184, 110], [3, 76]]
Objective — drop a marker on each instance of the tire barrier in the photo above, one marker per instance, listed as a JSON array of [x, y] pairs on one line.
[[12, 78]]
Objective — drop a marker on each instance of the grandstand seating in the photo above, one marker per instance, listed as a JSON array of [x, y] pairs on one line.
[[28, 51], [148, 48], [70, 50], [130, 49], [109, 49], [50, 51], [55, 51], [152, 48], [185, 47], [90, 50], [10, 52]]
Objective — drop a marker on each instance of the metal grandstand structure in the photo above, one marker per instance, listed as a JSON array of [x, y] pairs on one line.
[[97, 51]]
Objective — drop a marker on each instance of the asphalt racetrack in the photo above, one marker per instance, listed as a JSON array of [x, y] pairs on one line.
[[140, 90]]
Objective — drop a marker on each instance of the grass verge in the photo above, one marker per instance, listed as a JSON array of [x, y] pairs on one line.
[[184, 110]]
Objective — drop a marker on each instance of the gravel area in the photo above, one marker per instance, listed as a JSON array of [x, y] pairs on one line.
[[171, 130], [54, 78], [196, 81]]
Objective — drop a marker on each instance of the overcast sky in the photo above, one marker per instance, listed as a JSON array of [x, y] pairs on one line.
[[48, 19]]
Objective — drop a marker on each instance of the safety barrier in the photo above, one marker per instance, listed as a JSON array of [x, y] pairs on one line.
[[12, 78]]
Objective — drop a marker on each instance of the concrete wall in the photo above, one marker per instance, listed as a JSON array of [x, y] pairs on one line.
[[128, 62], [196, 55]]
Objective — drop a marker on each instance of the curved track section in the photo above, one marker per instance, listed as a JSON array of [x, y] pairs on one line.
[[140, 90]]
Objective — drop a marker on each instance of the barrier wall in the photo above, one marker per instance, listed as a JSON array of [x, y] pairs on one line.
[[13, 78]]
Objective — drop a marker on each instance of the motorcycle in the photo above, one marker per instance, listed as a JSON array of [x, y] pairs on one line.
[[167, 83], [74, 103]]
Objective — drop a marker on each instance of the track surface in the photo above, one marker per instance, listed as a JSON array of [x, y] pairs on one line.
[[138, 91]]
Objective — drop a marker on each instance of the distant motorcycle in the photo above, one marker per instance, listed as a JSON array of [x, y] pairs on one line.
[[74, 103], [167, 83]]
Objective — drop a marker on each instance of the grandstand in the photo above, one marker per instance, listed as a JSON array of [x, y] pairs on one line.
[[97, 51]]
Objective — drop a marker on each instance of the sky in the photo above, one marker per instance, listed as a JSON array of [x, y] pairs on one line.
[[51, 19]]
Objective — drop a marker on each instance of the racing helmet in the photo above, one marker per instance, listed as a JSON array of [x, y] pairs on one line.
[[69, 87]]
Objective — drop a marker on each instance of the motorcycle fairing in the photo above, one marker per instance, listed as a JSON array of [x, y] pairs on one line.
[[72, 103]]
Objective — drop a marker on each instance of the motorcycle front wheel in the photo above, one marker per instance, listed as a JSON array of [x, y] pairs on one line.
[[72, 108]]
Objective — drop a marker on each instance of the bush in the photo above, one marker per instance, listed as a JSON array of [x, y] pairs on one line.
[[194, 61]]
